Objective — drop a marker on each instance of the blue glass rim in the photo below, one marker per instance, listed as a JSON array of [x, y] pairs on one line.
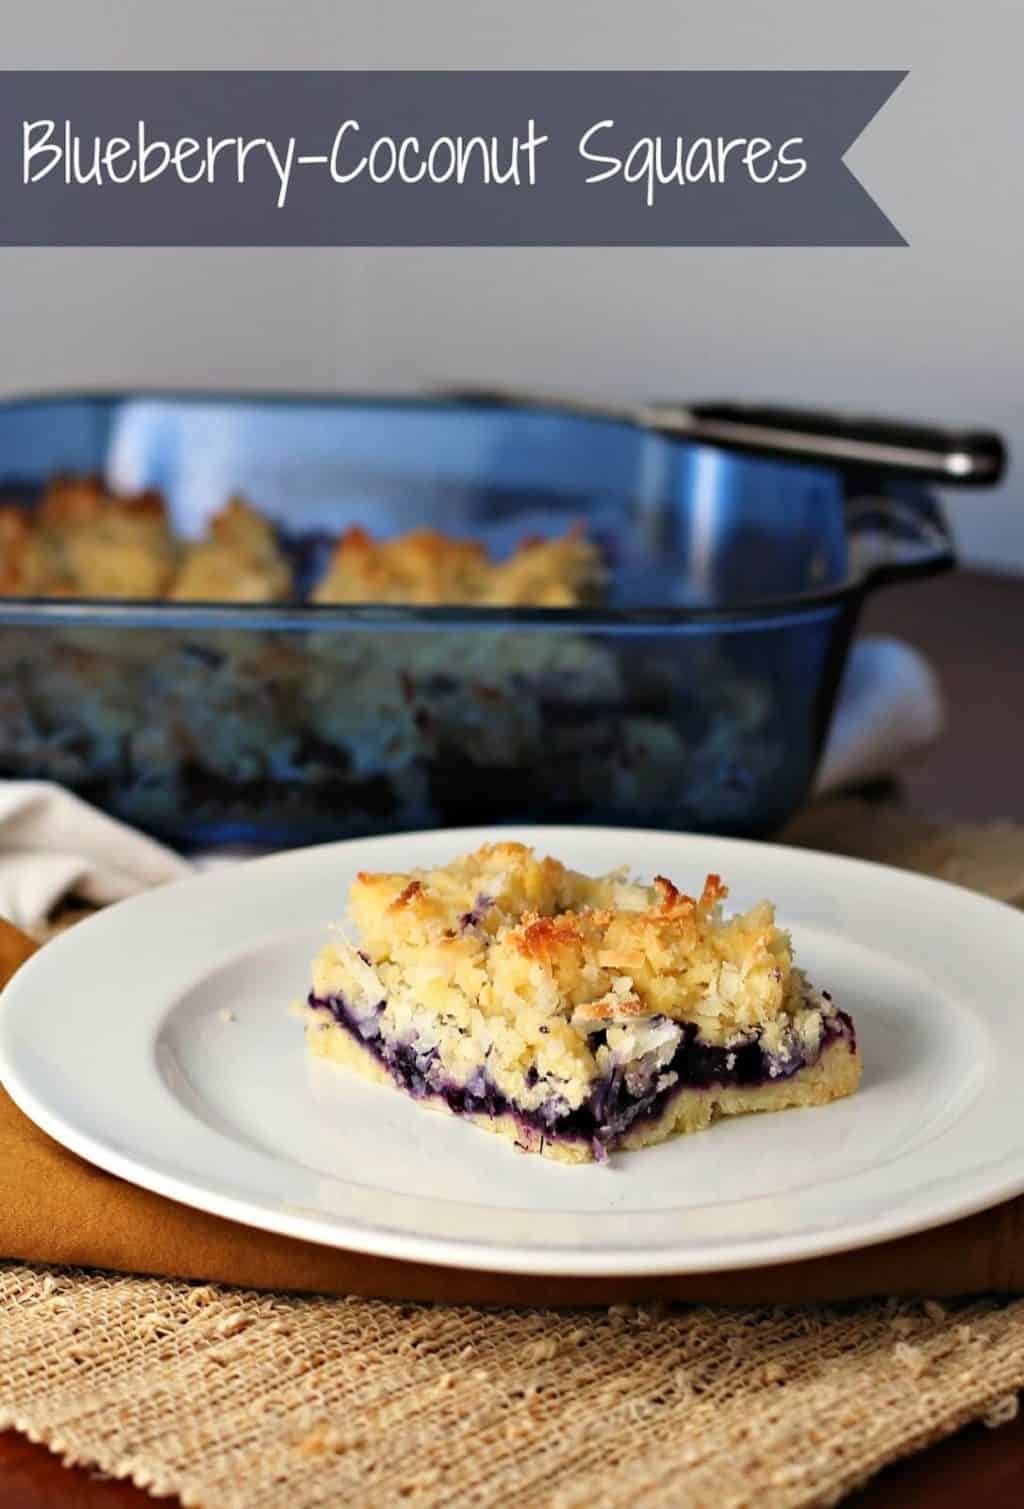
[[147, 613], [308, 616]]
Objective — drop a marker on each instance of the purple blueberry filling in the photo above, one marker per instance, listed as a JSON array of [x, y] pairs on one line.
[[612, 1107], [472, 919]]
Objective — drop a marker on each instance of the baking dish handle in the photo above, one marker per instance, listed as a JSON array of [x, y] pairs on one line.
[[956, 458], [886, 447], [896, 533]]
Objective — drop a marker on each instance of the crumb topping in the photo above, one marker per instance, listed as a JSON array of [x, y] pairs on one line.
[[239, 561], [429, 568], [83, 540], [553, 979]]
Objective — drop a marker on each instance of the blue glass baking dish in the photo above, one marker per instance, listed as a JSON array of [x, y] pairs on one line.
[[740, 545]]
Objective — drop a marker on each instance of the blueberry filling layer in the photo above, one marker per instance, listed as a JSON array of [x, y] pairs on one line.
[[613, 1105]]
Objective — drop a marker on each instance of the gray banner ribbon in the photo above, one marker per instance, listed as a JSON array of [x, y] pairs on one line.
[[375, 159]]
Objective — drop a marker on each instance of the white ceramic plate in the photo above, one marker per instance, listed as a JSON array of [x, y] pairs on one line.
[[156, 1040]]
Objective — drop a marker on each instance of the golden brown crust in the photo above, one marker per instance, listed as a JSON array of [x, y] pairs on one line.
[[239, 561], [21, 563], [72, 501], [428, 568], [548, 937], [412, 890], [85, 541], [420, 567], [89, 542]]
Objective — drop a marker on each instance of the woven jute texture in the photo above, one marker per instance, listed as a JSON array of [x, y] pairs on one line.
[[243, 1400], [238, 1399]]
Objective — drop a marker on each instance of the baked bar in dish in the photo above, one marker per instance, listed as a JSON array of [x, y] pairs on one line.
[[575, 1015], [336, 733], [430, 569], [83, 541], [240, 561]]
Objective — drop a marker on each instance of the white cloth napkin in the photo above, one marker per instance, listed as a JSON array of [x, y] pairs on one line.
[[889, 709], [54, 845]]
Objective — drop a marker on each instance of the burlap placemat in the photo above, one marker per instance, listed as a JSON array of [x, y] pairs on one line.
[[241, 1400], [235, 1398]]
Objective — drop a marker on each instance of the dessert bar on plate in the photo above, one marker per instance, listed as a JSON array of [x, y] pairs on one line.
[[574, 1014]]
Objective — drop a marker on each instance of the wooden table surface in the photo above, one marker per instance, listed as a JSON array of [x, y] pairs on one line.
[[971, 625]]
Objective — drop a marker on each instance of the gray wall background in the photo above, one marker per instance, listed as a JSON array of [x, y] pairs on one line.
[[935, 331]]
